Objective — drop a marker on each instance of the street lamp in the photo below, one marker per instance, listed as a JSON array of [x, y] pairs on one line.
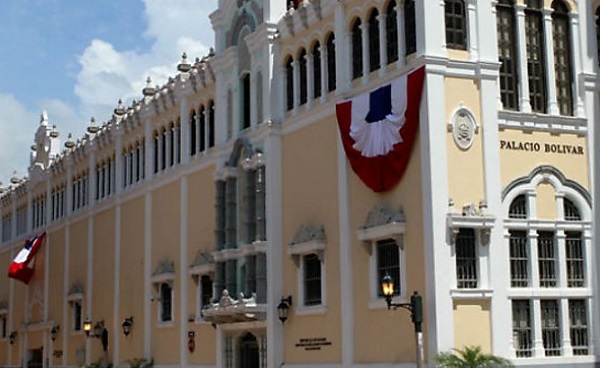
[[283, 308], [12, 337], [87, 326], [415, 307], [54, 332], [126, 325]]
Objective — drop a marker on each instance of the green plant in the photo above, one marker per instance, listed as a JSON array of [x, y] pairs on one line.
[[140, 363], [470, 357]]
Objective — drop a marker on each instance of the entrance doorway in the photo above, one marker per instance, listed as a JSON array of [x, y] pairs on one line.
[[249, 354], [36, 358]]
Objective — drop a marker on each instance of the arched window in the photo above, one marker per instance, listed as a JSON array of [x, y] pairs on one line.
[[245, 101], [178, 141], [331, 70], [357, 62], [374, 59], [171, 145], [316, 55], [211, 124], [289, 79], [302, 61], [507, 54], [518, 208], [571, 211], [562, 57], [410, 27], [193, 128], [156, 155], [456, 24], [391, 29], [534, 36], [202, 128]]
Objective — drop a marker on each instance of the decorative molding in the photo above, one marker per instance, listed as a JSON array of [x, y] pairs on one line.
[[308, 239], [540, 122], [383, 223], [472, 218], [164, 272], [75, 292], [202, 264], [463, 127], [230, 310]]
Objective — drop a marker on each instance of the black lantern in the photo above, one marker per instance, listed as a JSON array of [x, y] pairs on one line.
[[126, 325], [54, 332], [12, 337], [283, 308], [98, 328], [87, 326]]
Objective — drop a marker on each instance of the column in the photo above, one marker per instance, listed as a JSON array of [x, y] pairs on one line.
[[230, 212], [324, 71], [536, 329], [561, 256], [296, 78], [250, 275], [68, 189], [524, 103], [260, 188], [364, 33], [250, 215], [261, 278], [219, 282], [220, 215], [579, 110], [549, 52], [310, 83], [401, 35], [382, 19], [91, 193], [118, 162], [472, 29], [29, 213], [149, 147], [185, 130], [253, 97]]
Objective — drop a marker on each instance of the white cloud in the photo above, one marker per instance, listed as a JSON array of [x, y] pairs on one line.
[[108, 74]]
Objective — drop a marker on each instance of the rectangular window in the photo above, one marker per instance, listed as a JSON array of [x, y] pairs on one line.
[[562, 62], [466, 259], [551, 328], [206, 290], [575, 261], [77, 320], [507, 55], [312, 279], [521, 314], [519, 259], [536, 68], [579, 327], [166, 303], [546, 259], [388, 263], [456, 28]]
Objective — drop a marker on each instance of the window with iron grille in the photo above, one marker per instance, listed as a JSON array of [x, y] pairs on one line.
[[466, 259], [246, 101], [312, 279], [289, 79], [374, 58], [163, 149], [331, 68], [562, 57], [507, 54], [316, 54], [156, 156], [536, 67], [521, 327], [202, 128], [518, 208], [571, 211], [546, 259], [357, 62], [193, 127], [166, 299], [77, 316], [575, 260], [391, 29], [206, 290], [598, 33], [578, 326], [551, 328], [519, 259], [410, 27], [302, 63], [388, 263], [456, 24]]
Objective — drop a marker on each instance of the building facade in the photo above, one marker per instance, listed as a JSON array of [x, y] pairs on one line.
[[181, 228]]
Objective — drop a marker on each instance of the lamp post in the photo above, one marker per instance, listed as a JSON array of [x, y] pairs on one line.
[[415, 307], [283, 308]]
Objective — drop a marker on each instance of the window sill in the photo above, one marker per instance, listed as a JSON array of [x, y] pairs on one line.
[[471, 293], [166, 324], [311, 310]]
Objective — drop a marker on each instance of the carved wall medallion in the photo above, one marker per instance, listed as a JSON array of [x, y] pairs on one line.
[[463, 128]]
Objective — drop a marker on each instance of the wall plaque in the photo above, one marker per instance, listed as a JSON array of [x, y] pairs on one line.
[[313, 343]]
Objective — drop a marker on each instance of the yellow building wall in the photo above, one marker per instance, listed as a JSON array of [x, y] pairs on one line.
[[546, 202], [56, 296], [132, 275], [465, 167], [201, 225], [310, 198], [472, 326], [386, 346], [103, 291], [165, 245], [517, 163]]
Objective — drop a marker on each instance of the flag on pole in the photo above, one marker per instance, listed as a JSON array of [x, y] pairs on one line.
[[22, 267], [378, 130]]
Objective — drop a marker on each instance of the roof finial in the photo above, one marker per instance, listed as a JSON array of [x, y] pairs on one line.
[[149, 90], [184, 66], [44, 118], [93, 128], [120, 109]]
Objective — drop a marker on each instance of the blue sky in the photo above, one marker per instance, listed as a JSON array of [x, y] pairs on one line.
[[75, 59]]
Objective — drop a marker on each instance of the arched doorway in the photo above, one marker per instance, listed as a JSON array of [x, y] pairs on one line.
[[249, 355]]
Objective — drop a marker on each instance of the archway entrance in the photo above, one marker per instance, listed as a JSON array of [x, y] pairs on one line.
[[249, 354]]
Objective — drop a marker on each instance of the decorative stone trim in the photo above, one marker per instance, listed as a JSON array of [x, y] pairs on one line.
[[3, 307], [164, 272], [75, 292], [472, 218], [383, 223], [308, 239], [229, 310], [463, 127], [203, 264]]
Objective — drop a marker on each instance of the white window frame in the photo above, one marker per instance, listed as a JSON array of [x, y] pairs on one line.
[[197, 272], [158, 280], [74, 300], [298, 251]]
